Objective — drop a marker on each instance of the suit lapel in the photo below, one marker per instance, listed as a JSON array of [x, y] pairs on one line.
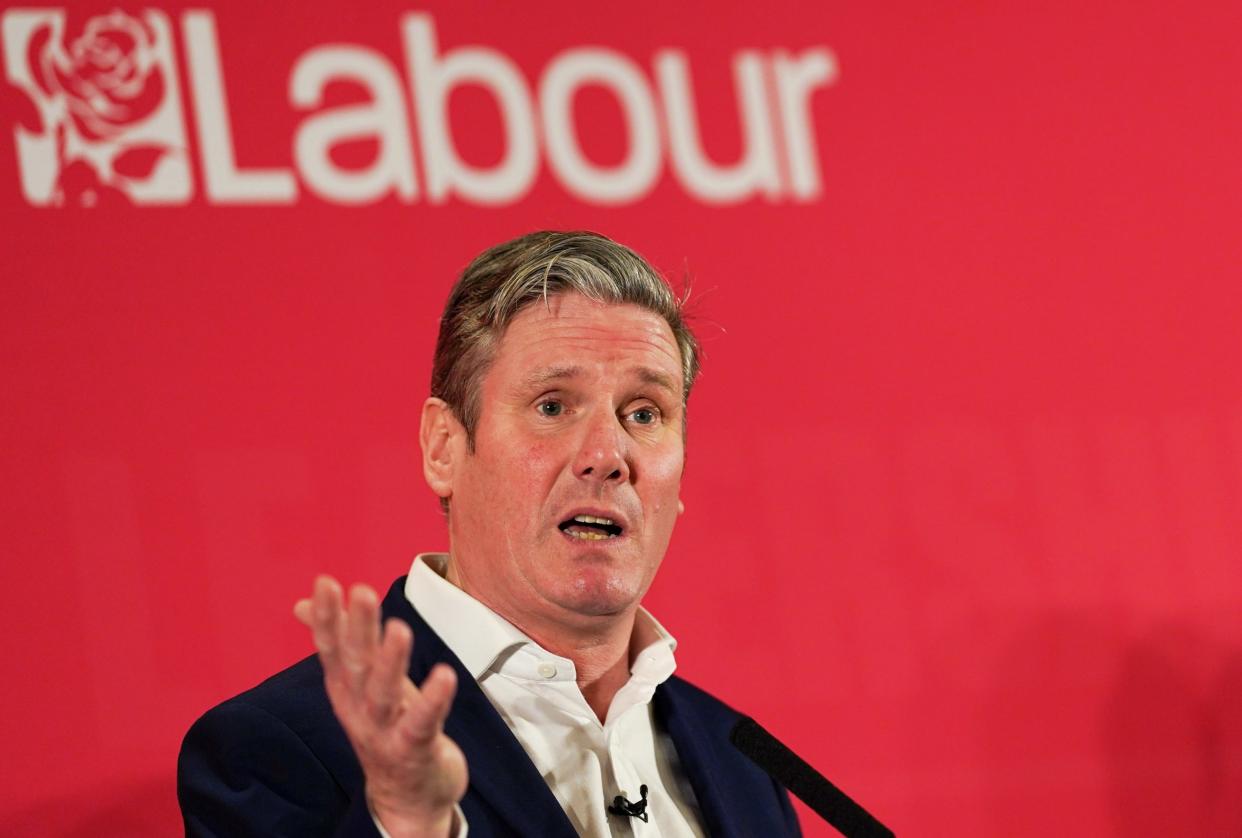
[[500, 770], [725, 797]]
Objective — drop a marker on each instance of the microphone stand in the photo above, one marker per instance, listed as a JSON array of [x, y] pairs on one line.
[[811, 787]]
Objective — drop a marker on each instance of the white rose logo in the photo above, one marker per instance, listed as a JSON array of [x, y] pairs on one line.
[[98, 105], [111, 80]]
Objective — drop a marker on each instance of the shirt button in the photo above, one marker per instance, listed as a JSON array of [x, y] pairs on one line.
[[547, 670]]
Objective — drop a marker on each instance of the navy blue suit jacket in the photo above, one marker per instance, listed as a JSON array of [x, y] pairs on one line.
[[274, 761]]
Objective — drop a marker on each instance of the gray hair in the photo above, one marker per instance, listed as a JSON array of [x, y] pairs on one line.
[[507, 278]]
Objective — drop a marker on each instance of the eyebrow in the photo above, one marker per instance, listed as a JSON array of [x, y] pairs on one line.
[[647, 375], [547, 375], [657, 378]]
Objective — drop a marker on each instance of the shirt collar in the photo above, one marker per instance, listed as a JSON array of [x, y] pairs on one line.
[[480, 637]]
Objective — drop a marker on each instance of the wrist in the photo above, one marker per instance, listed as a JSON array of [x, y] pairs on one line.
[[414, 822]]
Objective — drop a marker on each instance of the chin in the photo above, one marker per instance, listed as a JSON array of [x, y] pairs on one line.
[[593, 596]]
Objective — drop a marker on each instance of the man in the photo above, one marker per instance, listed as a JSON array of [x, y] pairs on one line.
[[545, 703]]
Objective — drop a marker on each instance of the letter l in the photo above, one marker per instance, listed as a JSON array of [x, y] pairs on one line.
[[224, 182]]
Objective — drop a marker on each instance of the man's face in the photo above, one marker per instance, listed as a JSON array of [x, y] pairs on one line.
[[565, 507]]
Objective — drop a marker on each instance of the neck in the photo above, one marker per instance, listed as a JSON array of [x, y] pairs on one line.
[[599, 646], [601, 657]]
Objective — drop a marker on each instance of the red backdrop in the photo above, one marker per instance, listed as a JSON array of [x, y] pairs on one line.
[[965, 465]]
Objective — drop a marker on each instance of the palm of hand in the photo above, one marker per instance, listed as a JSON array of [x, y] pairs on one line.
[[414, 772]]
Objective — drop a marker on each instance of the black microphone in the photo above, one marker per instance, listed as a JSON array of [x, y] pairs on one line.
[[621, 806], [792, 772]]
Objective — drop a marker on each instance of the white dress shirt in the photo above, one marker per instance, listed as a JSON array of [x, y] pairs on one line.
[[585, 763]]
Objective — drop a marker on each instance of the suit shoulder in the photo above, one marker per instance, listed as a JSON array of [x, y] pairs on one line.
[[290, 705], [706, 706], [270, 761], [295, 696], [267, 736]]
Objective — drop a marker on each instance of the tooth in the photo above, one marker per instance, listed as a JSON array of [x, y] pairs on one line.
[[588, 536]]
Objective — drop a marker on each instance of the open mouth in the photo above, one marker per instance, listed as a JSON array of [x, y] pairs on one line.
[[590, 528]]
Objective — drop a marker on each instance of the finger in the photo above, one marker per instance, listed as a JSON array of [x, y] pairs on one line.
[[325, 621], [364, 604], [303, 610], [439, 688], [360, 634], [384, 687], [435, 698]]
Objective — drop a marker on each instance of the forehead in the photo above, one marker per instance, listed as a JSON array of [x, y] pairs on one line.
[[571, 331]]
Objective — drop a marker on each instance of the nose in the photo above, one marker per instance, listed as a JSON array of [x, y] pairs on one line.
[[602, 456]]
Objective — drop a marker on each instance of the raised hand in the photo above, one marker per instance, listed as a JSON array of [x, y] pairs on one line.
[[414, 773]]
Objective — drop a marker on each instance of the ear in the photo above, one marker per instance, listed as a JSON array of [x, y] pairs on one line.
[[437, 435], [681, 507]]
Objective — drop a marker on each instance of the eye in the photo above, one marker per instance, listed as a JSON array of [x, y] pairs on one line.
[[645, 415], [550, 407]]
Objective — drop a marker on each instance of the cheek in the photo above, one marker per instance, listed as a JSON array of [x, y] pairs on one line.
[[537, 465], [664, 479], [536, 456], [667, 466], [518, 480]]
